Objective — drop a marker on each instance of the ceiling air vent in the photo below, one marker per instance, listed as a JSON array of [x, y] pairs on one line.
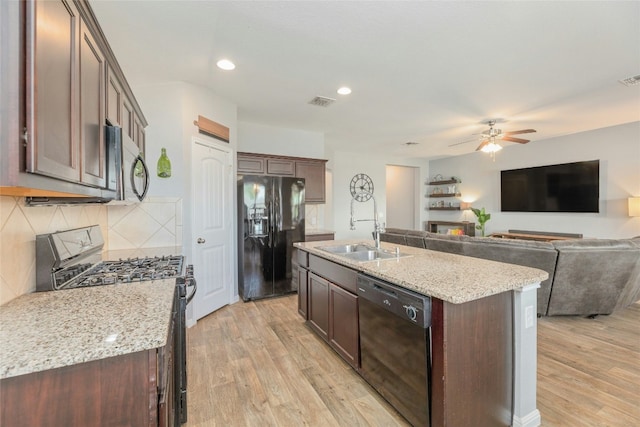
[[631, 81], [322, 101]]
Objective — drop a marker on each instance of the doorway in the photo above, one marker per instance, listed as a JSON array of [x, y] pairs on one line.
[[401, 193], [212, 213]]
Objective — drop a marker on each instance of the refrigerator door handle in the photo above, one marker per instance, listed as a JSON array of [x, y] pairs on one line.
[[269, 223]]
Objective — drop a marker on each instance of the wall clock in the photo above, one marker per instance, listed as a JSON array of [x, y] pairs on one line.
[[361, 187]]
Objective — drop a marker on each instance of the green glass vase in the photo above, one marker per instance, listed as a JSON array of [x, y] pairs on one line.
[[164, 165]]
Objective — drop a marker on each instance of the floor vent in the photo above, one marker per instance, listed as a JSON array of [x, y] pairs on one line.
[[322, 101], [631, 81]]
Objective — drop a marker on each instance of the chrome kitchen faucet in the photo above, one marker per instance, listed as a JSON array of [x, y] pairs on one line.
[[377, 227]]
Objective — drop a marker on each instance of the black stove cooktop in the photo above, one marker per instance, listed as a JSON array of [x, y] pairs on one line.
[[129, 270]]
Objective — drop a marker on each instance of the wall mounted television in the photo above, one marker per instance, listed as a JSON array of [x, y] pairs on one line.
[[567, 187]]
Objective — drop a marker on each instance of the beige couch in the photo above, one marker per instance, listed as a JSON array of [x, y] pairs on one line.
[[586, 276]]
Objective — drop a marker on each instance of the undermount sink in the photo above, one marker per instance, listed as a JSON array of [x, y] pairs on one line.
[[361, 252], [346, 249], [369, 255]]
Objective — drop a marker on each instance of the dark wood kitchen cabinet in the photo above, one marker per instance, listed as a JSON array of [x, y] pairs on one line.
[[333, 307], [314, 174], [92, 111], [319, 305], [312, 170], [343, 324], [113, 391], [65, 95], [52, 77], [301, 275], [66, 83], [135, 389], [115, 100]]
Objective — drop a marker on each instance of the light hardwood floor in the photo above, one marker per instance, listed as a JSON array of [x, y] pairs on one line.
[[257, 364]]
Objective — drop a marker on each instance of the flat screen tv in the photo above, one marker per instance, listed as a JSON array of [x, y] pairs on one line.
[[567, 187]]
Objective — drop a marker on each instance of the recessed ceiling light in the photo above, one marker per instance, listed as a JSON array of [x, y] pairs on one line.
[[344, 90], [225, 64]]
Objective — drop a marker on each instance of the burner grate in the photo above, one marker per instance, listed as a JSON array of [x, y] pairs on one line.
[[129, 270]]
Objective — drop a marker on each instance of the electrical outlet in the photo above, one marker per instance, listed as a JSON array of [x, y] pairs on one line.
[[528, 317]]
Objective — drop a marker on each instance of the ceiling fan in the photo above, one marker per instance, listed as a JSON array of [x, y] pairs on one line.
[[488, 138]]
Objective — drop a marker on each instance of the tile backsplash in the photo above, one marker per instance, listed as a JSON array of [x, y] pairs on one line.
[[18, 229], [155, 223]]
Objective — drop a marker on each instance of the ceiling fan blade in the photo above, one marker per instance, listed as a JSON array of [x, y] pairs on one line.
[[463, 142], [512, 139], [516, 132], [481, 146]]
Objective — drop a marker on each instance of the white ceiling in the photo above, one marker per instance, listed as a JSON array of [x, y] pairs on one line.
[[429, 72]]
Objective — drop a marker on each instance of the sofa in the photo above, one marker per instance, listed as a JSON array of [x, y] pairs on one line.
[[586, 276]]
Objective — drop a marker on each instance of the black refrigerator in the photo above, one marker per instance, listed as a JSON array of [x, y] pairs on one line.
[[270, 220]]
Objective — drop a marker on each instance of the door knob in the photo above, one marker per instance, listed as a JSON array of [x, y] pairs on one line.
[[200, 240]]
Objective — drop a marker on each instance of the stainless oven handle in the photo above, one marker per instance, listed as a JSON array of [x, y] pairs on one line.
[[192, 282]]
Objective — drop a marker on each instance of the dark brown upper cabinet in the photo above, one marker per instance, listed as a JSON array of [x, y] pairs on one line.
[[312, 170]]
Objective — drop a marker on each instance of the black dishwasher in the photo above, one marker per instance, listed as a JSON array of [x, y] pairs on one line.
[[395, 346]]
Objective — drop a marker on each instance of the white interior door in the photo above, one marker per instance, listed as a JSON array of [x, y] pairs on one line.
[[212, 230]]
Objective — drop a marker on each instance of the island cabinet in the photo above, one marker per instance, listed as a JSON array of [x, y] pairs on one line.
[[333, 307], [472, 362], [300, 273], [472, 346], [312, 170]]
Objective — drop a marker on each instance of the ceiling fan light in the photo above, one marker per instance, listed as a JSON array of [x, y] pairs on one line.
[[225, 64], [491, 147]]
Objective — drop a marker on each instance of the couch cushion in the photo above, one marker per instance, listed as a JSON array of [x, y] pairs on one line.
[[591, 275], [445, 242], [415, 238], [528, 253], [393, 235]]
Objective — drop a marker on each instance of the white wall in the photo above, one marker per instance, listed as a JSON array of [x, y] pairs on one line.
[[617, 148], [170, 110], [263, 139], [345, 166]]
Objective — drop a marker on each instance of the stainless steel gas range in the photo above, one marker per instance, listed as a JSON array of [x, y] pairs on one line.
[[73, 259]]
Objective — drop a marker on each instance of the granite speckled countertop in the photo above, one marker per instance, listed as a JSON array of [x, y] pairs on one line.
[[46, 330], [453, 278], [316, 231]]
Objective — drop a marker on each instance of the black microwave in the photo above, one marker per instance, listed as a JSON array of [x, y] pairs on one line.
[[127, 172]]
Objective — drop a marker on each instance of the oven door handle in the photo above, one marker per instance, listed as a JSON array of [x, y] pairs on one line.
[[191, 281]]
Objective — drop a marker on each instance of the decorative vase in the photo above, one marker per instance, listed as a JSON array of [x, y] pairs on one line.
[[164, 165]]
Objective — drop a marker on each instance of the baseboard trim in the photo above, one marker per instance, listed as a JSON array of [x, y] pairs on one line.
[[532, 419]]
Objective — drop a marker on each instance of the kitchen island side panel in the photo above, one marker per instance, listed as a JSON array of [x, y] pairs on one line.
[[472, 362], [111, 391]]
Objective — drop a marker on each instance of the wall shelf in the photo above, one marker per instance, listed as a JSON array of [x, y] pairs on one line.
[[444, 195], [445, 182], [443, 188], [468, 228]]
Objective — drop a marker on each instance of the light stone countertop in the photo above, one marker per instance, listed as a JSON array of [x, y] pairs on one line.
[[316, 231], [46, 330], [453, 278]]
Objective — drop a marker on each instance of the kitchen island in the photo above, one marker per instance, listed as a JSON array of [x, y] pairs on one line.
[[88, 356], [483, 330]]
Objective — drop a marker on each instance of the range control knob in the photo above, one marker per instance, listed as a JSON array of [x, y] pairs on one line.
[[411, 312]]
